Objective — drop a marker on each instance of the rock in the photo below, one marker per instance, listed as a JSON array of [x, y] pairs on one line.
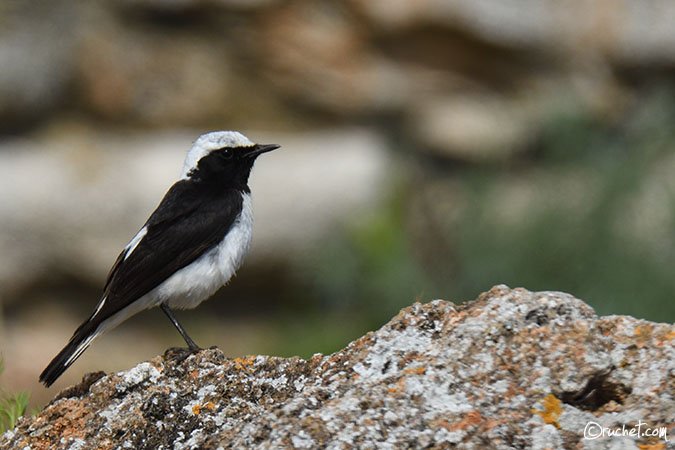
[[631, 32], [154, 78], [314, 54], [473, 128], [513, 369], [482, 125]]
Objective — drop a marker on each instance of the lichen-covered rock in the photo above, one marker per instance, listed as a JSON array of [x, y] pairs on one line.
[[513, 369]]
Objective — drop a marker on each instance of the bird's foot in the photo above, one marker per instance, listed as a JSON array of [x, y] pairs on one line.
[[180, 354]]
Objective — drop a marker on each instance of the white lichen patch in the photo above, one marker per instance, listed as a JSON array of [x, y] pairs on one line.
[[77, 444], [206, 391], [195, 441], [390, 349], [276, 383], [500, 386], [545, 437], [137, 375], [9, 434], [302, 440], [443, 436]]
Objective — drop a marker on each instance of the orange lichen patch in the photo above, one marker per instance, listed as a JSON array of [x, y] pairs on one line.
[[491, 423], [643, 330], [360, 343], [194, 374], [552, 410], [67, 420], [453, 320], [441, 423], [415, 371], [643, 333], [471, 419], [606, 328], [244, 363], [106, 445], [398, 387], [197, 409], [657, 446], [667, 337], [73, 424], [534, 332], [409, 358], [514, 390]]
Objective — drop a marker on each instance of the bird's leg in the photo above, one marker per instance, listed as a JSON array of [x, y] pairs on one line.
[[188, 340]]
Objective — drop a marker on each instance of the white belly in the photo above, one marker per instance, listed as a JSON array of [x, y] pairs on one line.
[[198, 281], [192, 284]]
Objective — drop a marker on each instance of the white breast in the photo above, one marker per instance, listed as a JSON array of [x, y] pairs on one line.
[[198, 281]]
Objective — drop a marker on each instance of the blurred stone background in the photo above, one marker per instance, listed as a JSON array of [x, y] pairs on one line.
[[430, 149]]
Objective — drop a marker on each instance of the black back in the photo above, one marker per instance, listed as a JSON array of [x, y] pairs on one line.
[[192, 218]]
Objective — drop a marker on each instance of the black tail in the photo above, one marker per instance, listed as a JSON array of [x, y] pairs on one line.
[[77, 344]]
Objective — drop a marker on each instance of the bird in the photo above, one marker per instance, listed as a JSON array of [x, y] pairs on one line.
[[189, 247]]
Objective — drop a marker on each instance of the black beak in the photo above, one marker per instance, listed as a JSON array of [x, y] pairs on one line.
[[259, 149]]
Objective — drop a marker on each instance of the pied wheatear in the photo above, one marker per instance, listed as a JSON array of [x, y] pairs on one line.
[[189, 247]]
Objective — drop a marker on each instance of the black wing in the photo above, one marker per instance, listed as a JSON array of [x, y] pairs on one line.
[[185, 225]]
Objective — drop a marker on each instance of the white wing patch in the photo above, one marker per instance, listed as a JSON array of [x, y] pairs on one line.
[[100, 305], [131, 246], [81, 348]]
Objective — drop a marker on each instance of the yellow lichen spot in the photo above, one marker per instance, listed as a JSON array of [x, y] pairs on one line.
[[244, 363], [643, 333], [196, 409], [209, 405], [552, 410], [643, 330]]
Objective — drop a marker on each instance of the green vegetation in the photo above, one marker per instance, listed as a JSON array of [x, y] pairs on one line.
[[11, 407], [594, 215], [611, 242], [367, 273]]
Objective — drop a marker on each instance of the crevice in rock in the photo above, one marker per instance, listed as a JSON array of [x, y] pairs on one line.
[[598, 391]]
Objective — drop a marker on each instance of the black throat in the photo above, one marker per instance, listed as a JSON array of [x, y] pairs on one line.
[[216, 173]]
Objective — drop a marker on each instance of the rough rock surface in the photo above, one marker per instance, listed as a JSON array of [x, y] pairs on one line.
[[513, 369]]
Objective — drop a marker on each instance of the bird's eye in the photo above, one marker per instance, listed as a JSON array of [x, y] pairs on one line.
[[226, 153]]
